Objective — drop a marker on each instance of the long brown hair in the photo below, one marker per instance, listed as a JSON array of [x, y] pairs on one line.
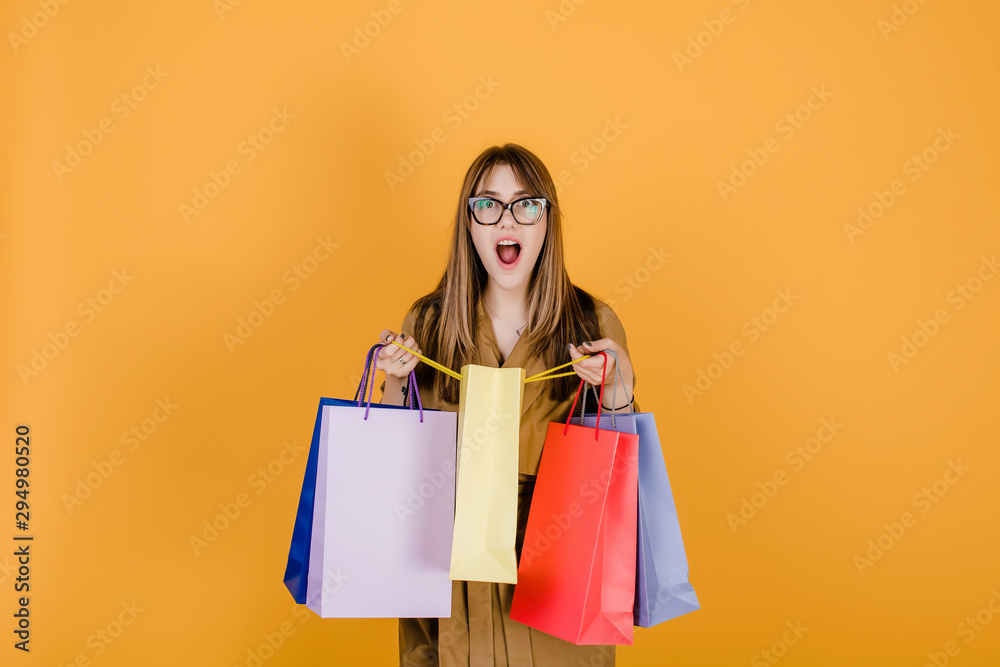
[[559, 312]]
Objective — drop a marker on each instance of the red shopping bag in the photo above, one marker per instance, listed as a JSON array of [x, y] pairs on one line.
[[576, 574]]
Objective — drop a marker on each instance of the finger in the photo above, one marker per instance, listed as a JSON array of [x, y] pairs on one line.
[[583, 368], [405, 360], [593, 369], [580, 367], [593, 346], [410, 343], [385, 339], [398, 354]]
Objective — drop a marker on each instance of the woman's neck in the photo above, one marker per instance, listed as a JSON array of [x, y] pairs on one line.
[[508, 305]]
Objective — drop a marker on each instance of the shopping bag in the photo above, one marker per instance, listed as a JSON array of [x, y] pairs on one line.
[[372, 537], [662, 589], [576, 575], [489, 419]]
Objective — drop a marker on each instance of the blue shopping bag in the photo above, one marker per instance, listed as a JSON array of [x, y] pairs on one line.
[[662, 589], [297, 567]]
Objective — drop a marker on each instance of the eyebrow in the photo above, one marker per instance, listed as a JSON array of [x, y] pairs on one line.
[[497, 194]]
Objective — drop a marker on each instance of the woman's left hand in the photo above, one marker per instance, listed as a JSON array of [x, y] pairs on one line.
[[590, 369]]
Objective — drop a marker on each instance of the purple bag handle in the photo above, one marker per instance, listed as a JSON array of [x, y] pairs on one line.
[[368, 375]]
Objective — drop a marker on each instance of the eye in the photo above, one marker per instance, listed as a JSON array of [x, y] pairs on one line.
[[485, 204], [531, 204]]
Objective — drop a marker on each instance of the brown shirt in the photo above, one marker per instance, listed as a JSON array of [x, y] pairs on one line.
[[480, 632]]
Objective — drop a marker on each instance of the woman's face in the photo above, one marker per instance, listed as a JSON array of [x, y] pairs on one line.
[[503, 186]]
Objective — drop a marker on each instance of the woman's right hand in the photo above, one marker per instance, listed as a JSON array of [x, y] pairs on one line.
[[394, 360]]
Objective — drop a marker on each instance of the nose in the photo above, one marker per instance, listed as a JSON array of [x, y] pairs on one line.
[[507, 219]]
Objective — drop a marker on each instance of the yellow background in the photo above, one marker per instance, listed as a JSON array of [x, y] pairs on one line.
[[557, 85]]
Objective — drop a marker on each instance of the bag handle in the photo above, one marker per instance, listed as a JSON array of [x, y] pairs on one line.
[[369, 375], [614, 392], [600, 400], [364, 378]]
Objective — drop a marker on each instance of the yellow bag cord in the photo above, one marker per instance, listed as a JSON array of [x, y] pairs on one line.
[[458, 376]]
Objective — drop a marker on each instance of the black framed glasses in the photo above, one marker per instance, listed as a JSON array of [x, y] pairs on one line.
[[526, 211]]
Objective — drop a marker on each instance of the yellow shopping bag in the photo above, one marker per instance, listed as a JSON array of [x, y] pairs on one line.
[[489, 418]]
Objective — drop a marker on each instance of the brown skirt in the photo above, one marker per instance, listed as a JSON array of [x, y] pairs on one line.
[[480, 632]]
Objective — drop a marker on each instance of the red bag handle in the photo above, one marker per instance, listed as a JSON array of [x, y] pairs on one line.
[[600, 399]]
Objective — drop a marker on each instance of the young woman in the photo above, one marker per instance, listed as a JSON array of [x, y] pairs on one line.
[[505, 300]]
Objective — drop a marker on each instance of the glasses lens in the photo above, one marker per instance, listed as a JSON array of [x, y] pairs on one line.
[[528, 210], [487, 211]]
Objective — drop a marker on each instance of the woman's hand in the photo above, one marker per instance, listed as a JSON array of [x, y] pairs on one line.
[[590, 369], [393, 360]]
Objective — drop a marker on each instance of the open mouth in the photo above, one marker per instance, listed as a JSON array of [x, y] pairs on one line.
[[508, 254]]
